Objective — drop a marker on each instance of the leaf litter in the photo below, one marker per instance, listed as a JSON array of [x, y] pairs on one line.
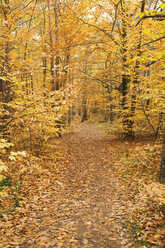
[[79, 200]]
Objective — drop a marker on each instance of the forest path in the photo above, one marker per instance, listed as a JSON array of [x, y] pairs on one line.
[[78, 206]]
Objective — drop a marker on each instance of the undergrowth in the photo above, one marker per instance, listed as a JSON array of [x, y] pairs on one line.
[[11, 195], [139, 168]]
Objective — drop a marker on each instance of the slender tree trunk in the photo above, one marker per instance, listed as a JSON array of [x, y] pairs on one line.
[[136, 77], [32, 84], [128, 133], [66, 67], [44, 73], [111, 106], [129, 111], [44, 59], [84, 110], [162, 164], [6, 88], [52, 81], [69, 115], [134, 91], [68, 72], [57, 60], [28, 85], [5, 84]]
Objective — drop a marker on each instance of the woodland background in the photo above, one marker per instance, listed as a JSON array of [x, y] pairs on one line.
[[64, 61]]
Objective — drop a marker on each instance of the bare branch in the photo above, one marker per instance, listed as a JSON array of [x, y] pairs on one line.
[[156, 4], [96, 27], [149, 122], [150, 16], [153, 41]]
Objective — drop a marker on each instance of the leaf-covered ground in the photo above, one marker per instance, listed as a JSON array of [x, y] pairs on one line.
[[76, 201]]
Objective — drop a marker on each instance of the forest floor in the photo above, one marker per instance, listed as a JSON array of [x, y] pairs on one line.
[[74, 202]]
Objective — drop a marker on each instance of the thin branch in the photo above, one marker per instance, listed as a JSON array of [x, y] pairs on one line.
[[114, 23], [118, 3], [148, 120], [100, 29], [23, 23], [152, 62], [156, 4], [149, 16], [153, 41], [88, 43], [159, 125], [28, 4], [14, 118], [93, 25]]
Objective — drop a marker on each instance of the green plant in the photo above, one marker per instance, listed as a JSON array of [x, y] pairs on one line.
[[14, 187], [5, 182], [17, 191]]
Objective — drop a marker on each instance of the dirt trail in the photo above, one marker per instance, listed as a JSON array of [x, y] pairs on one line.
[[79, 206]]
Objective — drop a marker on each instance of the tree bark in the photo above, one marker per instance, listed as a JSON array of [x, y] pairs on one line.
[[162, 164], [44, 59], [51, 48], [5, 84], [84, 111], [57, 60], [127, 129]]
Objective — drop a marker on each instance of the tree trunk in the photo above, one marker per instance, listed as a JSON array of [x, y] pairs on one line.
[[84, 111], [129, 112], [127, 124], [69, 115], [5, 84], [162, 164], [136, 80], [51, 48], [127, 127], [44, 56], [57, 60]]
